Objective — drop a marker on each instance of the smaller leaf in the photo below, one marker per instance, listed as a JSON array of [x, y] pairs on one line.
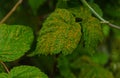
[[106, 30], [100, 58], [64, 67], [15, 40], [26, 72], [4, 75], [80, 12], [92, 33], [81, 62], [95, 72]]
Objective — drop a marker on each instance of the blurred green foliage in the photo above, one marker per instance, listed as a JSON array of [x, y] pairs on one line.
[[41, 16]]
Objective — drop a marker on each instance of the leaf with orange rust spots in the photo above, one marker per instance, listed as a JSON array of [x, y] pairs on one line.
[[60, 33]]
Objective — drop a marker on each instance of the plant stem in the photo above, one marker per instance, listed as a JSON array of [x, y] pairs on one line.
[[11, 11], [55, 69], [98, 16], [4, 65], [114, 26]]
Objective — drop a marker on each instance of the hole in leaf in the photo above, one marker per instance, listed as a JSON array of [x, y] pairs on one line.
[[78, 19]]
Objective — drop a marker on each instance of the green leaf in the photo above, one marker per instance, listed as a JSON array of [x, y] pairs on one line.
[[95, 72], [26, 72], [60, 33], [106, 30], [92, 33], [35, 4], [4, 75], [80, 12], [100, 58], [15, 40], [81, 62], [64, 67]]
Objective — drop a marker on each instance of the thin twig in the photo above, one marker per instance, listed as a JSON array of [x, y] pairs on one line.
[[98, 16], [4, 65], [11, 11], [114, 26]]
